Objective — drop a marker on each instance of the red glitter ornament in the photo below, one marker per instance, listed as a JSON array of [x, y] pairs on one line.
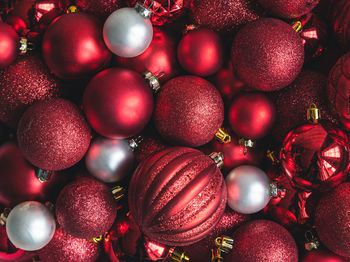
[[148, 146], [262, 240], [189, 111], [267, 54], [177, 196], [9, 42], [86, 208], [53, 134], [118, 103], [341, 22], [289, 9], [73, 46], [322, 255]]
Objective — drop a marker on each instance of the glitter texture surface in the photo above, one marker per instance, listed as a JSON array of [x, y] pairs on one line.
[[100, 8], [148, 146], [289, 9]]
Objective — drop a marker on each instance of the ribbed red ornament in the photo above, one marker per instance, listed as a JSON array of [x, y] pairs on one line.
[[9, 42], [341, 22], [177, 196], [289, 9]]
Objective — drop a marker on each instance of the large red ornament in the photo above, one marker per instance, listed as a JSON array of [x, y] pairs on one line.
[[341, 22], [322, 255], [9, 44], [73, 46], [118, 103], [262, 240], [53, 134], [189, 111], [267, 60], [177, 196], [289, 9]]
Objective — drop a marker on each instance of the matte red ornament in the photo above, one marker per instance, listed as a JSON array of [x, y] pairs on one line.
[[201, 52], [118, 103], [9, 44], [262, 240], [267, 54], [322, 255], [289, 9], [189, 111], [316, 156], [177, 196], [86, 208], [73, 46], [252, 115], [341, 22], [53, 134]]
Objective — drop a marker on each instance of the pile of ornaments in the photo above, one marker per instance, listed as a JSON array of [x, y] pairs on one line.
[[187, 130]]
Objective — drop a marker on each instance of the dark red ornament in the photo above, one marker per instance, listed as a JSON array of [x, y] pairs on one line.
[[9, 44], [149, 145], [289, 9], [23, 9], [118, 103], [18, 25], [322, 255], [341, 22], [100, 8], [53, 134], [267, 60], [189, 111], [177, 196], [73, 46]]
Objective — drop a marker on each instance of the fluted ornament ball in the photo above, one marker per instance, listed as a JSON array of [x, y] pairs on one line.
[[9, 43], [30, 226], [289, 9]]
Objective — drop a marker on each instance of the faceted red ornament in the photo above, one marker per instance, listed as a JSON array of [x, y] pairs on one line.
[[289, 9], [316, 156], [118, 103], [267, 60], [322, 255], [341, 22], [177, 196], [73, 46], [189, 111], [9, 43]]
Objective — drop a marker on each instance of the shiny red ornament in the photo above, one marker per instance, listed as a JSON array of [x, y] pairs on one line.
[[73, 46], [189, 111], [322, 255], [267, 54], [86, 208], [177, 196], [289, 9], [341, 22], [23, 9], [53, 134], [9, 45], [17, 24], [332, 218], [262, 240], [118, 103], [316, 156]]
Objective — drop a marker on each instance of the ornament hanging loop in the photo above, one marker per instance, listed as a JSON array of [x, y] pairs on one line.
[[297, 26]]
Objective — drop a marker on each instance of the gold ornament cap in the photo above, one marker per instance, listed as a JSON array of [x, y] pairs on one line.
[[313, 113], [222, 136], [178, 255]]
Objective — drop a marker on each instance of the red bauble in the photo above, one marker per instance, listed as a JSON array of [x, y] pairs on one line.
[[189, 111], [262, 240], [9, 44], [23, 10], [322, 255], [86, 208], [118, 103], [17, 24], [341, 22], [73, 46], [289, 9], [252, 115], [332, 218], [267, 60], [64, 247], [148, 146], [53, 134], [177, 196], [201, 52], [316, 156]]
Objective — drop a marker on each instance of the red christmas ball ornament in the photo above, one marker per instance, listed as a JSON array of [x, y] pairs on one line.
[[332, 220], [148, 146], [252, 115], [53, 134], [177, 196], [189, 111], [289, 9], [267, 60], [200, 52], [159, 57], [118, 103], [86, 208], [341, 22], [9, 44], [23, 9], [73, 46], [322, 255], [17, 24], [262, 240]]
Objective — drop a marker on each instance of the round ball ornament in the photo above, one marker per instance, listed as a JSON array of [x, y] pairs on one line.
[[9, 42], [322, 255], [177, 196], [341, 22], [267, 60]]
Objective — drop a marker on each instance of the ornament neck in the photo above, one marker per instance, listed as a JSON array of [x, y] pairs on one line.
[[222, 136], [224, 243], [218, 158], [43, 175], [72, 9], [246, 143], [3, 216], [276, 192], [118, 192], [312, 242], [178, 255], [271, 155], [135, 142], [216, 255], [25, 46], [152, 80], [297, 26], [143, 10], [313, 113]]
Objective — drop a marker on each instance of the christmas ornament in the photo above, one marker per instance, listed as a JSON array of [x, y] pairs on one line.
[[24, 82], [322, 255], [332, 220], [86, 208], [267, 60], [262, 240], [30, 226], [118, 103], [9, 42], [177, 196], [188, 111], [100, 8], [22, 9], [200, 52], [75, 51], [150, 144], [341, 22], [128, 31], [53, 134]]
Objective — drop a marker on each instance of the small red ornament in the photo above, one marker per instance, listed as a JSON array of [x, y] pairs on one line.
[[9, 44], [17, 24], [53, 134], [118, 103], [289, 9], [189, 111], [177, 196], [23, 9], [86, 208], [267, 54], [262, 240], [73, 46], [322, 255], [341, 22], [201, 52]]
